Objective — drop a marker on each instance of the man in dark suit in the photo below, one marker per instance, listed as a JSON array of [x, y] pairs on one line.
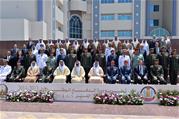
[[113, 57], [125, 73], [141, 73], [62, 56], [14, 50], [30, 43], [112, 73], [10, 59]]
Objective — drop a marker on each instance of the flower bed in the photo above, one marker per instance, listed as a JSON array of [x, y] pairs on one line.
[[133, 98], [168, 98], [30, 96]]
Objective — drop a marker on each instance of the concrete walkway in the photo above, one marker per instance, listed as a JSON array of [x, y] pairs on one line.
[[77, 110], [39, 115]]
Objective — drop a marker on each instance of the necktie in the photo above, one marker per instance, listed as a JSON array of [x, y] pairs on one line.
[[141, 70]]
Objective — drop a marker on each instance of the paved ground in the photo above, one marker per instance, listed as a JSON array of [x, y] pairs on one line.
[[74, 110], [35, 115]]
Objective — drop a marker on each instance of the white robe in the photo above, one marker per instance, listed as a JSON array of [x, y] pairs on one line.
[[38, 45], [85, 44], [4, 71], [96, 43], [76, 46], [96, 75], [116, 42], [67, 44]]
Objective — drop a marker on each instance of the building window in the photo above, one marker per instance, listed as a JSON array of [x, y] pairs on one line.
[[107, 1], [124, 1], [125, 33], [107, 17], [124, 17], [159, 32], [75, 27], [154, 22], [156, 8], [107, 33]]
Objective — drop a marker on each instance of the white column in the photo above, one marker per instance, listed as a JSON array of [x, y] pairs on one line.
[[66, 18], [143, 19]]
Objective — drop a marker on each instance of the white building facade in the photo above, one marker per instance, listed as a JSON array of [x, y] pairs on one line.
[[35, 19], [92, 19]]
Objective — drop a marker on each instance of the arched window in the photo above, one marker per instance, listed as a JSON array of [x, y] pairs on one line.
[[75, 27], [158, 32]]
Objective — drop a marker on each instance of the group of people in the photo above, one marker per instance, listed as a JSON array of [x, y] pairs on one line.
[[129, 61]]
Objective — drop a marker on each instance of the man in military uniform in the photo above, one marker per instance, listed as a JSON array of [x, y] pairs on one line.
[[157, 73], [17, 74], [163, 61], [150, 58], [173, 67], [102, 59], [47, 73], [86, 62]]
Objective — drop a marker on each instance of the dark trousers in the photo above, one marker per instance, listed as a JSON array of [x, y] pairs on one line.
[[86, 74], [141, 81], [173, 77], [111, 80], [166, 74], [159, 81], [126, 80]]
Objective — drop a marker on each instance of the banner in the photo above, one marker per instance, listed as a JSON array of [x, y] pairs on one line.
[[86, 92]]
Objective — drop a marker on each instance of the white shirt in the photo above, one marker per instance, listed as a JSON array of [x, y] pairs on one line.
[[168, 42], [58, 52], [123, 58], [131, 52], [41, 60], [107, 52], [146, 47], [35, 51]]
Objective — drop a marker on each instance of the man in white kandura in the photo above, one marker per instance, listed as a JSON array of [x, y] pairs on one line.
[[5, 70], [61, 73], [96, 73], [78, 73]]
